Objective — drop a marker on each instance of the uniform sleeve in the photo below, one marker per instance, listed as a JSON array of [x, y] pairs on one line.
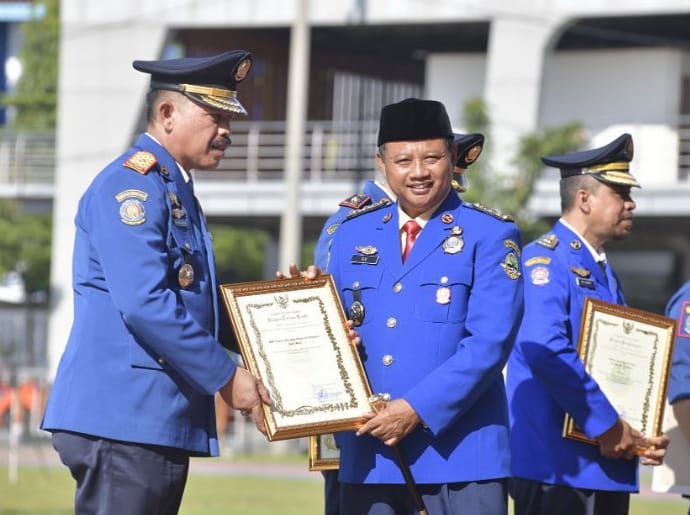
[[545, 342], [494, 310], [322, 250], [136, 269], [679, 380]]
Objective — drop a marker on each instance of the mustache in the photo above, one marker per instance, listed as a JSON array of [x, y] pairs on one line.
[[222, 142]]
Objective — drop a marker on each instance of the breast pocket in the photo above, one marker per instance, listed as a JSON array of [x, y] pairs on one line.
[[358, 294], [443, 295]]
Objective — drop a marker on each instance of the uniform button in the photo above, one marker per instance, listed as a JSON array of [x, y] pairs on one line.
[[187, 245], [391, 322], [387, 360], [397, 288], [161, 361], [355, 284], [444, 280]]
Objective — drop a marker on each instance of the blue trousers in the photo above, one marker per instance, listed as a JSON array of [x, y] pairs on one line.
[[118, 478], [476, 498], [534, 498]]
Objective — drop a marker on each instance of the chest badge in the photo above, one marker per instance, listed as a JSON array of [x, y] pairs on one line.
[[447, 218], [356, 313], [185, 276], [453, 244], [443, 295]]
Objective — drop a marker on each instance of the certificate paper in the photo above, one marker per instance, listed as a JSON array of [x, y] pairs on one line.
[[628, 353], [292, 336]]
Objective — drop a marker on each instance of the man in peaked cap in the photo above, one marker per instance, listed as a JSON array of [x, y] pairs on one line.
[[545, 377], [133, 395], [417, 275]]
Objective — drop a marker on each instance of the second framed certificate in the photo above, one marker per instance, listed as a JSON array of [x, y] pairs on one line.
[[628, 353], [292, 335]]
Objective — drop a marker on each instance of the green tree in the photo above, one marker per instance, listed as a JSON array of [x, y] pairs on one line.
[[25, 240], [35, 95], [239, 253], [511, 192]]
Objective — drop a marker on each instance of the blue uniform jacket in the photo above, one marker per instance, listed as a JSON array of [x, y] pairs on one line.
[[142, 363], [679, 308], [437, 331], [546, 378], [371, 193]]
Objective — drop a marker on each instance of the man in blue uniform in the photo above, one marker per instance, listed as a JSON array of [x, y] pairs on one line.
[[435, 288], [467, 148], [545, 377], [133, 395], [679, 382]]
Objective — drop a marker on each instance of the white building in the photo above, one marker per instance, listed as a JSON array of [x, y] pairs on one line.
[[614, 65]]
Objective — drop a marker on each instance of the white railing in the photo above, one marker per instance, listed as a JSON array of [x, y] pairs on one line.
[[27, 157], [684, 148]]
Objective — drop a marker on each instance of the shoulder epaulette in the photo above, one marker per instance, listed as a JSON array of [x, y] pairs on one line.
[[548, 240], [357, 201], [384, 202], [141, 161], [491, 211]]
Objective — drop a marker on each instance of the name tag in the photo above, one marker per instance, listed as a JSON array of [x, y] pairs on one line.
[[359, 259], [585, 283]]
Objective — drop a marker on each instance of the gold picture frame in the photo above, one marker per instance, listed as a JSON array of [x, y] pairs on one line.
[[293, 336], [323, 452], [628, 352]]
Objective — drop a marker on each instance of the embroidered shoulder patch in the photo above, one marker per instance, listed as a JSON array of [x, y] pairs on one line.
[[549, 241], [539, 275], [141, 161], [538, 260], [357, 201], [491, 211], [332, 229], [384, 202], [684, 320]]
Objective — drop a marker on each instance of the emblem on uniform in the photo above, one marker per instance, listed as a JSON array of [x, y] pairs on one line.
[[684, 320], [387, 218], [510, 244], [332, 229], [132, 210], [356, 201], [453, 244], [473, 154], [368, 250], [356, 313], [581, 272], [511, 265], [539, 275], [185, 276], [443, 295], [164, 170], [447, 218], [243, 69], [575, 245], [538, 260]]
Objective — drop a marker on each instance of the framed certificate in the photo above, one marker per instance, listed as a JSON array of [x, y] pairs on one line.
[[323, 452], [292, 335], [628, 353]]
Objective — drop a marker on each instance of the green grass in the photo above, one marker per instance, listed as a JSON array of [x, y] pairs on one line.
[[49, 491]]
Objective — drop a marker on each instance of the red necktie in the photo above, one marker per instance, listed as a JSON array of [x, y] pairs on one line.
[[411, 229]]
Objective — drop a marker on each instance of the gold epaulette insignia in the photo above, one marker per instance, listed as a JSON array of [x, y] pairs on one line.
[[384, 202], [357, 201], [141, 161], [491, 211], [549, 241], [582, 272]]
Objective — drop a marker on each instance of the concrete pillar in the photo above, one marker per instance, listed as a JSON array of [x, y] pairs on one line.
[[517, 48]]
